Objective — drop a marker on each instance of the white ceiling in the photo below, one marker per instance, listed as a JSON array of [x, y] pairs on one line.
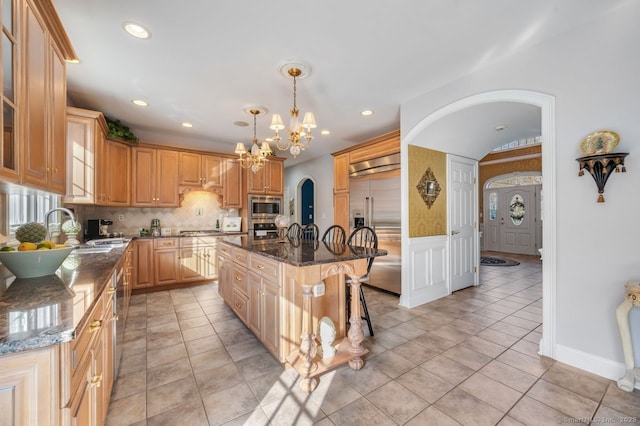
[[207, 60]]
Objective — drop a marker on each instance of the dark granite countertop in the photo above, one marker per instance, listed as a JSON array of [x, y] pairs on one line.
[[303, 252], [42, 311]]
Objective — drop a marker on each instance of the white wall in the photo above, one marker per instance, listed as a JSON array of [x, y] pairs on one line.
[[321, 171], [593, 74]]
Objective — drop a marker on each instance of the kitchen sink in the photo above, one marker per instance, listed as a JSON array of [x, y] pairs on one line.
[[90, 250]]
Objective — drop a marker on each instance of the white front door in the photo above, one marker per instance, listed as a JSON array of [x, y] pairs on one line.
[[517, 218], [463, 216]]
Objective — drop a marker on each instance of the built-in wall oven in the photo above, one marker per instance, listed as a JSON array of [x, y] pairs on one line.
[[263, 210]]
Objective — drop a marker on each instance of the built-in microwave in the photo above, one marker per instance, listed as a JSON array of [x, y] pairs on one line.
[[264, 207]]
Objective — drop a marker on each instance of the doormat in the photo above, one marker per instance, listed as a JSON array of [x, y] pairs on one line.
[[497, 261]]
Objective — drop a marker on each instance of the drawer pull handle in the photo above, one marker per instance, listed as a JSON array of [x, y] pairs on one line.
[[111, 290], [238, 278], [238, 305], [95, 325], [260, 266], [96, 381]]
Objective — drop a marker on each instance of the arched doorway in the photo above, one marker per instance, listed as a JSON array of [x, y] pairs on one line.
[[414, 271], [306, 195]]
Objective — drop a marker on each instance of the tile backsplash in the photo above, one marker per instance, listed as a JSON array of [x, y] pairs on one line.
[[199, 210]]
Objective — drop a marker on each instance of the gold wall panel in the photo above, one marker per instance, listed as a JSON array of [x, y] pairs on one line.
[[425, 221]]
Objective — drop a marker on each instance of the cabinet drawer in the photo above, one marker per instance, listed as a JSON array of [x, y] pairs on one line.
[[224, 250], [240, 279], [197, 241], [165, 243], [240, 256], [239, 304], [82, 344], [264, 266]]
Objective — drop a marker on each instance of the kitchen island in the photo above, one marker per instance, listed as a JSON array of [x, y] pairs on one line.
[[282, 290]]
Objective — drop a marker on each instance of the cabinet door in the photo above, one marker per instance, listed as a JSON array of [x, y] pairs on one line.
[[167, 266], [143, 171], [254, 293], [190, 169], [83, 411], [35, 168], [275, 178], [224, 278], [143, 264], [341, 209], [256, 182], [98, 382], [271, 317], [232, 191], [118, 173], [57, 142], [190, 264], [209, 267], [212, 171], [167, 178], [29, 387], [9, 160], [341, 173]]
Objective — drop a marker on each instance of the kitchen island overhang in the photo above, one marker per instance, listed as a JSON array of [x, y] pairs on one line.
[[270, 286]]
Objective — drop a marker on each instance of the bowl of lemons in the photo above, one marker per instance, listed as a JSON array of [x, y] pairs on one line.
[[35, 256]]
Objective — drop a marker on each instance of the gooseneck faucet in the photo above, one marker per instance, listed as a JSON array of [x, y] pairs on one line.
[[60, 209]]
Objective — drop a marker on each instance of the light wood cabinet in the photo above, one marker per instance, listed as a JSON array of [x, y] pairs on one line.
[[341, 173], [86, 130], [232, 185], [269, 180], [341, 209], [142, 264], [87, 362], [114, 173], [43, 115], [225, 271], [29, 393], [9, 146], [201, 170], [166, 261], [197, 259], [155, 177]]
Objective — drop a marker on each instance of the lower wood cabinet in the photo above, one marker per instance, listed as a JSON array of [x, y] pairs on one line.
[[142, 264], [29, 388]]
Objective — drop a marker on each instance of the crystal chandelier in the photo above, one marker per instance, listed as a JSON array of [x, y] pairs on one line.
[[257, 157], [299, 134]]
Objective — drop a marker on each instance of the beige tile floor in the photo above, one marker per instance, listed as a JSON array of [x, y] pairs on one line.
[[470, 358]]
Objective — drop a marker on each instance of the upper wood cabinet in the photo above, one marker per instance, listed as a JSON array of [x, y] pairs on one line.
[[44, 112], [341, 173], [155, 177], [9, 147], [232, 185], [86, 131], [201, 170], [113, 160], [269, 180]]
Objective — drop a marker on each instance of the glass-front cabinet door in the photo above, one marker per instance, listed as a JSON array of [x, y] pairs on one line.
[[9, 152]]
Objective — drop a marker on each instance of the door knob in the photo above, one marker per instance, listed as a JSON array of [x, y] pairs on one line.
[[455, 232]]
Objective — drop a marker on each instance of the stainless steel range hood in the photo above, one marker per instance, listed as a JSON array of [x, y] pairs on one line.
[[375, 165]]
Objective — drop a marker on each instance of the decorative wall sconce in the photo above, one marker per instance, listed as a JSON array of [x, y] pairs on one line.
[[428, 187], [600, 168]]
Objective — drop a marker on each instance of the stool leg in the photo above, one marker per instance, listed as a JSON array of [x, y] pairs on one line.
[[366, 312]]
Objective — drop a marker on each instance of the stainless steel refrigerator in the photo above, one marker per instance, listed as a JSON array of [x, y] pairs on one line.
[[375, 202]]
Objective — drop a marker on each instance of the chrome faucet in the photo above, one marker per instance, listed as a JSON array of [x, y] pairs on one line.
[[61, 209]]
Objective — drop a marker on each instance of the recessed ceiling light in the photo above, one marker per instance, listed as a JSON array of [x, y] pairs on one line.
[[366, 112], [500, 127], [72, 61], [136, 30], [325, 132], [139, 102], [188, 125], [241, 123]]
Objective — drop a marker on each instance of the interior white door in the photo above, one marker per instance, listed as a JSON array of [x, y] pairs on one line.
[[491, 233], [463, 217]]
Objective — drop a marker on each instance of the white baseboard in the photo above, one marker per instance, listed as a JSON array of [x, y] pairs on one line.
[[592, 363]]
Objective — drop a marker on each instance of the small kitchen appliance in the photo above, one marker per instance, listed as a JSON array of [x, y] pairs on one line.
[[97, 228], [155, 227]]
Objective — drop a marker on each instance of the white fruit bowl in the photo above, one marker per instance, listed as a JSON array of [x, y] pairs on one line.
[[34, 263]]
